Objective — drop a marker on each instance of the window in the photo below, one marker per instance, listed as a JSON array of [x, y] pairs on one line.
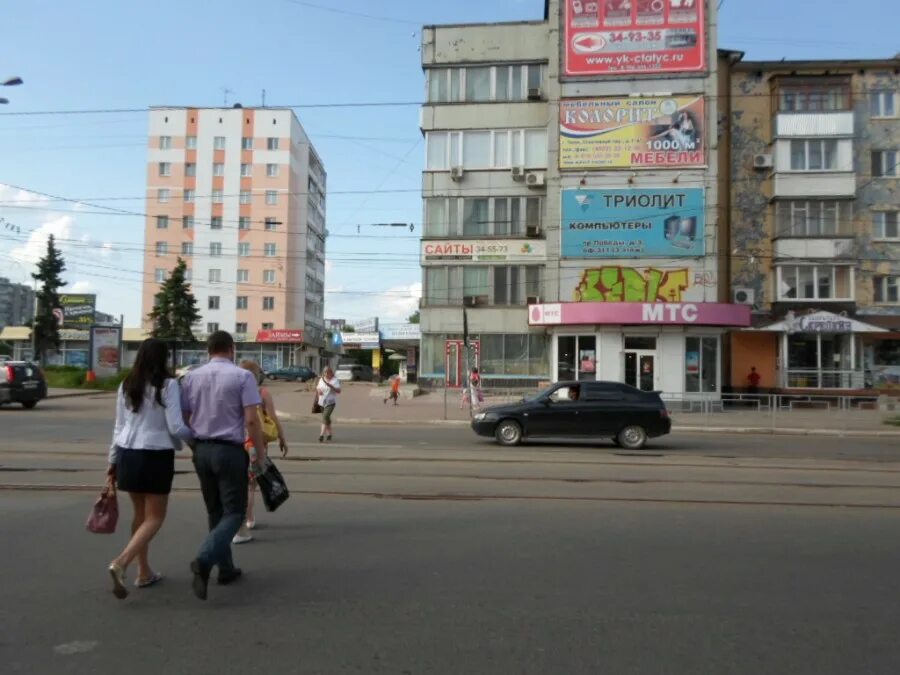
[[189, 274], [190, 142], [162, 195], [482, 216], [242, 302], [243, 249], [213, 302], [484, 83], [165, 168], [268, 276], [243, 276], [212, 327], [437, 285], [246, 143], [513, 354], [215, 249], [268, 326], [475, 284], [187, 248], [219, 143], [245, 197], [813, 218], [162, 222], [190, 170], [268, 303], [162, 248], [814, 155], [494, 149], [271, 224], [215, 275], [159, 275], [246, 170], [814, 95], [475, 217], [217, 196], [272, 170], [884, 163], [886, 225], [165, 142], [187, 222], [218, 169], [815, 282], [215, 223], [478, 84], [189, 196], [271, 197], [882, 103], [240, 328], [701, 364], [272, 143], [887, 289], [269, 250], [244, 223]]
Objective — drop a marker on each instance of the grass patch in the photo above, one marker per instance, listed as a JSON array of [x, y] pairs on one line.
[[893, 421], [71, 377]]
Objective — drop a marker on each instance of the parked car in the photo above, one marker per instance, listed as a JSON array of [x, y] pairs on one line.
[[291, 373], [579, 410], [354, 373], [21, 382]]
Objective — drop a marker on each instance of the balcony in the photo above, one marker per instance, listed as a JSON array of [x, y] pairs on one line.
[[790, 248], [814, 167], [813, 124]]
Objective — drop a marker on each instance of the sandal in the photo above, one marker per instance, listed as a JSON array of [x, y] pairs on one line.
[[118, 579], [155, 578]]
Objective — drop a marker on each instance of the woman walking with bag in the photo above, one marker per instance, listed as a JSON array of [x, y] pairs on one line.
[[149, 429], [327, 389], [272, 431]]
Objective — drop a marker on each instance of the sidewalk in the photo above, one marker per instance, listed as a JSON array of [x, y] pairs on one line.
[[362, 403], [74, 393]]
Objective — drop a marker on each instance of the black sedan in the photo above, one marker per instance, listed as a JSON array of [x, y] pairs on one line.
[[579, 410], [291, 373], [21, 382]]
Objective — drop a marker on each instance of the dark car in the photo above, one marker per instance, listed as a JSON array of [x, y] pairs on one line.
[[579, 410], [291, 373], [21, 382], [354, 372]]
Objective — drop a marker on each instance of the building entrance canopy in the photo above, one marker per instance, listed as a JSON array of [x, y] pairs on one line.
[[821, 322]]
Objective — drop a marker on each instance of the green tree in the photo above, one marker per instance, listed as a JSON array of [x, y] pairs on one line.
[[174, 308], [46, 324], [414, 317]]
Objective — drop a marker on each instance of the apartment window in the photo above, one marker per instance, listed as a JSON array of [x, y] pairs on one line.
[[271, 224], [219, 143], [813, 218], [243, 249], [271, 197], [814, 95], [242, 302], [246, 170], [212, 327], [218, 169], [190, 196], [269, 250], [213, 302], [272, 143], [493, 149], [814, 154], [887, 289], [243, 276], [215, 249], [187, 222], [165, 142], [495, 216], [189, 274], [484, 83], [475, 284], [475, 217], [478, 84], [884, 163], [246, 143], [244, 223], [268, 276], [162, 195], [886, 225], [245, 197], [883, 103], [268, 326], [187, 248], [159, 275], [272, 170], [215, 223], [162, 248], [217, 196], [190, 169], [268, 303], [190, 142], [165, 168], [162, 222], [215, 275], [240, 328], [815, 282]]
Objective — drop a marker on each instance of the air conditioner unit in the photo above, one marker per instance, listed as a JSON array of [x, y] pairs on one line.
[[535, 94], [744, 296], [470, 300], [518, 173], [763, 161], [535, 179], [457, 173], [533, 231], [534, 299]]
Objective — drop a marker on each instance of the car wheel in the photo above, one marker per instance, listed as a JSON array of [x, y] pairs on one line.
[[508, 432], [29, 404], [632, 437]]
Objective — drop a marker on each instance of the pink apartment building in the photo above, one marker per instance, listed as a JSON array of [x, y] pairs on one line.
[[239, 193]]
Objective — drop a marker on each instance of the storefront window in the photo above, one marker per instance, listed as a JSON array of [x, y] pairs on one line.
[[514, 355], [565, 358], [823, 362], [432, 356], [701, 364], [587, 357]]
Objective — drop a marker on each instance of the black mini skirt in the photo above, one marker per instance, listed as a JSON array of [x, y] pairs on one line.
[[149, 471]]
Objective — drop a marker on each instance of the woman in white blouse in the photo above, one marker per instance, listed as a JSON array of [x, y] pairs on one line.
[[149, 429]]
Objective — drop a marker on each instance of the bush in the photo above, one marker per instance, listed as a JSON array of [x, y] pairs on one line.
[[72, 377], [895, 421]]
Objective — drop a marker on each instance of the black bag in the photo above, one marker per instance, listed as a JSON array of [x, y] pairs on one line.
[[272, 487]]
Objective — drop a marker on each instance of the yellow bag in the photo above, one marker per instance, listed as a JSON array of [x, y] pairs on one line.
[[269, 428]]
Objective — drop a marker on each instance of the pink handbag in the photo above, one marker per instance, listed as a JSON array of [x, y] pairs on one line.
[[105, 513]]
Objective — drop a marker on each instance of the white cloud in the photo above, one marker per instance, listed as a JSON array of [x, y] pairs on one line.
[[329, 266], [81, 287], [393, 305], [36, 245]]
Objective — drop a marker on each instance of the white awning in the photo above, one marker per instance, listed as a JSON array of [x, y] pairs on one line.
[[15, 333], [821, 322]]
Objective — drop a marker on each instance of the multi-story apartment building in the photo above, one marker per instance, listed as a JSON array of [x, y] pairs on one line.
[[16, 303], [239, 194], [815, 197], [571, 198]]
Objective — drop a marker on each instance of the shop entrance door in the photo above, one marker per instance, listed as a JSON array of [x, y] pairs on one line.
[[640, 370], [455, 360]]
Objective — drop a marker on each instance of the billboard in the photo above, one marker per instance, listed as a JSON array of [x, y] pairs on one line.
[[106, 350], [284, 336], [639, 313], [76, 311], [639, 223], [632, 37], [484, 250], [632, 133]]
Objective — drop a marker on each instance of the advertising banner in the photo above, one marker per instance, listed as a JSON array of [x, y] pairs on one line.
[[631, 133], [639, 313], [650, 223], [404, 331], [106, 350], [366, 325], [484, 250], [76, 311], [629, 37], [284, 336], [360, 340], [637, 282]]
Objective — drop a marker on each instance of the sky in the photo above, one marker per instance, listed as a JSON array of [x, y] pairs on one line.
[[110, 55]]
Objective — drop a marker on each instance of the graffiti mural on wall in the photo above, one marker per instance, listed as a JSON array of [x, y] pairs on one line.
[[615, 283]]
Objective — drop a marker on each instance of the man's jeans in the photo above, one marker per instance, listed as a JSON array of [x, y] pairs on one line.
[[222, 469]]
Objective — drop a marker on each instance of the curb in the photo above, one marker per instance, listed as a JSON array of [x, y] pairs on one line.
[[79, 394]]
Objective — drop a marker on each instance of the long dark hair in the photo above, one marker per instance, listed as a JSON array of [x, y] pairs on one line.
[[150, 368]]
